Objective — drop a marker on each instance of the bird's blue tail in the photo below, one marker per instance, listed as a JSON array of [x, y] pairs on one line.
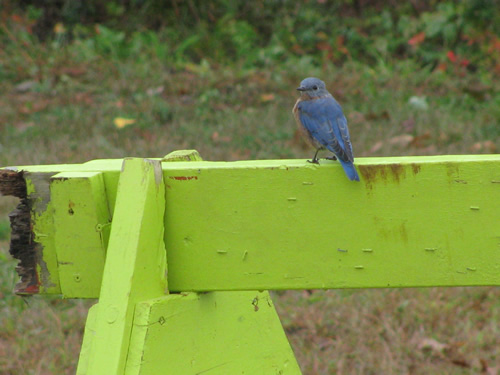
[[350, 170]]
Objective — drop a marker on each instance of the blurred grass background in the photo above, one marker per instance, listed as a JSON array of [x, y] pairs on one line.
[[109, 79]]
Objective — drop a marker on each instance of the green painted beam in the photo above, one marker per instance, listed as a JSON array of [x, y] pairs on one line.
[[79, 198], [287, 224], [411, 222]]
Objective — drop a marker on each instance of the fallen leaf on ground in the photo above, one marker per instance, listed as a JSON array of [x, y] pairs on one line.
[[121, 122], [25, 86], [402, 140], [216, 137], [356, 117], [417, 39], [408, 125], [486, 146], [23, 126], [267, 97], [73, 71], [83, 97], [432, 345], [155, 90], [38, 106], [377, 146], [59, 28], [418, 141], [376, 116]]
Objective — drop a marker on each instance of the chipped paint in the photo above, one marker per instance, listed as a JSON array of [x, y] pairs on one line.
[[183, 178]]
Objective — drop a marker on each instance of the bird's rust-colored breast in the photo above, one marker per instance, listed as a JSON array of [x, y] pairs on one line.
[[304, 132]]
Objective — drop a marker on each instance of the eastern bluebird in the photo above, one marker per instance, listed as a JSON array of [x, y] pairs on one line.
[[323, 124]]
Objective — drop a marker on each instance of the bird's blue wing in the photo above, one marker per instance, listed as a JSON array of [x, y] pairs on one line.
[[324, 120]]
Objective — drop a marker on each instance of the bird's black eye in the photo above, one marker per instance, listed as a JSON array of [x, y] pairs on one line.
[[315, 87]]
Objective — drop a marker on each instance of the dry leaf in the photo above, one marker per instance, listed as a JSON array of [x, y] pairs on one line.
[[38, 106], [83, 97], [377, 146], [408, 125], [155, 90], [25, 86], [23, 126], [486, 146], [418, 141], [417, 39], [356, 117], [59, 28], [73, 71], [384, 115], [267, 97], [216, 138], [402, 140], [121, 122], [432, 345]]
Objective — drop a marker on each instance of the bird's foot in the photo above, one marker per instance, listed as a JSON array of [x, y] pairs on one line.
[[314, 161], [333, 157]]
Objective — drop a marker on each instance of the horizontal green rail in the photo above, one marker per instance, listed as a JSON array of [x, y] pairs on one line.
[[280, 224]]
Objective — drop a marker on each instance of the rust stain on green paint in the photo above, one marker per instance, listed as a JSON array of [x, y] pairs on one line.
[[384, 173], [415, 168]]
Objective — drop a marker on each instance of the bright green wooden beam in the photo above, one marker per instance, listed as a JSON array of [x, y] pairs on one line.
[[423, 221], [280, 224], [79, 198]]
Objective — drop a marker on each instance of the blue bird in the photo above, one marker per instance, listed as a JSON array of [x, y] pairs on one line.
[[323, 124]]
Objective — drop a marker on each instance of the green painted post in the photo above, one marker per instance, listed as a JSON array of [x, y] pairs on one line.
[[134, 269]]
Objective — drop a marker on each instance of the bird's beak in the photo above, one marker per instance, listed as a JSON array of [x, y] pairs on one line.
[[301, 88]]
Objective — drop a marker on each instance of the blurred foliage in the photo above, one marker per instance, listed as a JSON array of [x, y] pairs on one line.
[[459, 36], [417, 77]]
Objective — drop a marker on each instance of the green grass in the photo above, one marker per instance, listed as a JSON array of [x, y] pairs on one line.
[[38, 335], [233, 112]]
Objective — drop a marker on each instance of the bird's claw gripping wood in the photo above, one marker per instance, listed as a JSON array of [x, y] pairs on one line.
[[315, 159]]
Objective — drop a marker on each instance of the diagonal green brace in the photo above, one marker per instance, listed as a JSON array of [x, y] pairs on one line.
[[134, 270]]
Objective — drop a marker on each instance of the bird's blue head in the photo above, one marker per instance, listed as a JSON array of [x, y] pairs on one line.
[[313, 87]]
